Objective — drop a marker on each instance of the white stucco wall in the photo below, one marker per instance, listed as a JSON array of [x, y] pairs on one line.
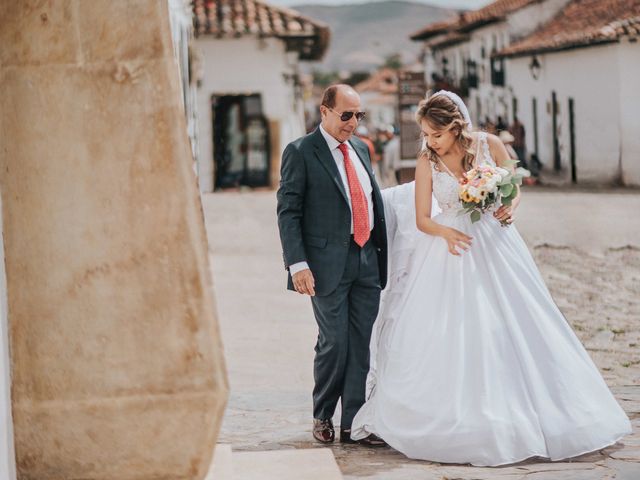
[[629, 65], [7, 456], [242, 66], [181, 21], [381, 109], [591, 76], [528, 19], [488, 100]]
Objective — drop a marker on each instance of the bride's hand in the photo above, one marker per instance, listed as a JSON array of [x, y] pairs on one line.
[[456, 239], [504, 214]]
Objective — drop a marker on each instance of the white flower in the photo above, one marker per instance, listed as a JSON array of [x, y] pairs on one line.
[[492, 183], [502, 172]]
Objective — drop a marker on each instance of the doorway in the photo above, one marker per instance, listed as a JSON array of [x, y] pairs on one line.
[[241, 150]]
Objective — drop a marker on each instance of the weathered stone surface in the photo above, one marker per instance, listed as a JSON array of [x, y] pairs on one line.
[[38, 32], [116, 356]]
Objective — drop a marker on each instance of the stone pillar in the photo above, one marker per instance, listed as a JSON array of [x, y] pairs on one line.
[[116, 360]]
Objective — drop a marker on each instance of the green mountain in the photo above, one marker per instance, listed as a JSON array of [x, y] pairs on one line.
[[363, 35]]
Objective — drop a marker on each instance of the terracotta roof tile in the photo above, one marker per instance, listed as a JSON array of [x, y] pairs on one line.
[[582, 23], [235, 18], [451, 38], [384, 80], [494, 11], [434, 29], [469, 20]]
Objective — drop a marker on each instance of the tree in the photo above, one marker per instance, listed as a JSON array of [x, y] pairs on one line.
[[356, 77], [324, 79], [393, 61]]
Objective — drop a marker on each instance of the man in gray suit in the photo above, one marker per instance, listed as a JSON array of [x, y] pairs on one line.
[[331, 221]]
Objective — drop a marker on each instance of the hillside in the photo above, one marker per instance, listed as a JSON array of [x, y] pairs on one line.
[[362, 35]]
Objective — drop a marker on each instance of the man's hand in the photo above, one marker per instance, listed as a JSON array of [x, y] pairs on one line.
[[304, 283]]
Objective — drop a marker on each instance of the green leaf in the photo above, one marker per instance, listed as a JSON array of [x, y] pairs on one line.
[[507, 201], [506, 190], [475, 216], [509, 163]]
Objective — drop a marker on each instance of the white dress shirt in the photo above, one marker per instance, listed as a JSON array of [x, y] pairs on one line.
[[363, 177]]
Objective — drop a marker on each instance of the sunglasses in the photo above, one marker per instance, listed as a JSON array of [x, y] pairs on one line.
[[346, 116]]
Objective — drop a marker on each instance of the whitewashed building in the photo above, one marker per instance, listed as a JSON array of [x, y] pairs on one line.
[[578, 82], [551, 63], [379, 98], [249, 98], [459, 53], [181, 22]]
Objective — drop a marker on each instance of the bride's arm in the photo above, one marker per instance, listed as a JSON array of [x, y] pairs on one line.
[[501, 157], [455, 239]]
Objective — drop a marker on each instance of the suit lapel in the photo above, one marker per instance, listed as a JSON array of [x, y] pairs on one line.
[[326, 160]]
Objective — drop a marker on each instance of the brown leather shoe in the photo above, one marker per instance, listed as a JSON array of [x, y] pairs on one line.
[[370, 441], [323, 430]]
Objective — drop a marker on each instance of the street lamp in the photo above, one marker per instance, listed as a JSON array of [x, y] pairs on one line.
[[534, 67]]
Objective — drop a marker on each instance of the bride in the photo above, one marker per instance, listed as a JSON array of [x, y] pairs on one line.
[[472, 361]]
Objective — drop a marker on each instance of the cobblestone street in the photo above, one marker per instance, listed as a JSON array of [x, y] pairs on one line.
[[586, 245]]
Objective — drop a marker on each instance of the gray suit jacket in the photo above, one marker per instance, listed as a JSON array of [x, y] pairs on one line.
[[314, 217]]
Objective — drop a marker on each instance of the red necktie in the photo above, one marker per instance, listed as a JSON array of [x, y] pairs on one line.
[[359, 207]]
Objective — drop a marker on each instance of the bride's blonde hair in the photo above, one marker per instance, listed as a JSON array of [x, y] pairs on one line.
[[442, 114]]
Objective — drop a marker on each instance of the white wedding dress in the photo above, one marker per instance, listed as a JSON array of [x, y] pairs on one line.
[[472, 361]]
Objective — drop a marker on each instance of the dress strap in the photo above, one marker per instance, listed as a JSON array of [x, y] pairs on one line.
[[486, 154], [478, 159]]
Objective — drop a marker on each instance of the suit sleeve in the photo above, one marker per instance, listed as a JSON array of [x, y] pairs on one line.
[[290, 205]]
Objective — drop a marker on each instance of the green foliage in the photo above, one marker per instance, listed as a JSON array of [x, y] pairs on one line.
[[393, 61], [356, 77], [475, 216], [506, 190], [324, 79]]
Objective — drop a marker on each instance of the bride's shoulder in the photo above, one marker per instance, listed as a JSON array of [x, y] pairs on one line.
[[487, 139]]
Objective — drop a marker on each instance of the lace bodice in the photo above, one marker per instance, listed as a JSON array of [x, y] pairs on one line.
[[445, 187]]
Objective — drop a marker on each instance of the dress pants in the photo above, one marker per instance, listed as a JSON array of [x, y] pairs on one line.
[[345, 320]]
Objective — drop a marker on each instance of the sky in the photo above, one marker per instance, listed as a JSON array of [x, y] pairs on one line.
[[468, 4]]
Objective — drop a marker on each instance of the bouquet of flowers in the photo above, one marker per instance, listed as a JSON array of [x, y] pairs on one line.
[[486, 186]]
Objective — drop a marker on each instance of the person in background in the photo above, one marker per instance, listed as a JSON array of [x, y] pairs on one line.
[[507, 140], [518, 132], [489, 126], [391, 158], [362, 133]]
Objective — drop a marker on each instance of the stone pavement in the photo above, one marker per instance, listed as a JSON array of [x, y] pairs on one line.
[[586, 245]]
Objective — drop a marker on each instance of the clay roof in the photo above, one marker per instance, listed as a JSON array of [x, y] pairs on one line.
[[469, 20], [384, 80], [236, 18], [451, 38], [581, 23], [492, 12], [434, 29]]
